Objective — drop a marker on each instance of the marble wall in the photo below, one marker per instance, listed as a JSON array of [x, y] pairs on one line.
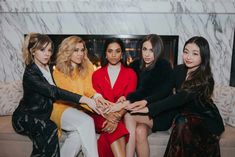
[[213, 19]]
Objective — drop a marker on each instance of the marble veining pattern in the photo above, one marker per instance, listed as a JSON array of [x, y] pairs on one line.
[[213, 19]]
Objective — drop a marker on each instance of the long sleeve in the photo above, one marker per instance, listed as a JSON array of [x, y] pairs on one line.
[[153, 84], [171, 102], [34, 82]]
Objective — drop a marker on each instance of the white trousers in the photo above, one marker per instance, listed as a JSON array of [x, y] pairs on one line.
[[81, 134]]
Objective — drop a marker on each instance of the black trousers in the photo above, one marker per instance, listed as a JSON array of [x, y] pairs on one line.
[[43, 134]]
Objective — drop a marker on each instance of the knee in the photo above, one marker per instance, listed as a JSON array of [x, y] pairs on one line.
[[73, 138], [74, 135], [130, 123], [128, 119], [88, 122], [141, 133]]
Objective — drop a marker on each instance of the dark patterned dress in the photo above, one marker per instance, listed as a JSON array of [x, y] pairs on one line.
[[196, 122], [191, 138]]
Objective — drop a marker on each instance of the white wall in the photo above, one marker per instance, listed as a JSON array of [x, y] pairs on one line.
[[212, 19]]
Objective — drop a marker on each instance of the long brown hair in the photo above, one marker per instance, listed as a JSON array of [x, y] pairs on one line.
[[158, 49], [32, 43]]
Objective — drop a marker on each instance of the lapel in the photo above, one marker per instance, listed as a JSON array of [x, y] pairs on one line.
[[38, 71], [111, 93], [51, 70]]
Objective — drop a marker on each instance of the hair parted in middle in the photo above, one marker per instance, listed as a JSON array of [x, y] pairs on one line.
[[66, 49], [158, 48], [104, 61]]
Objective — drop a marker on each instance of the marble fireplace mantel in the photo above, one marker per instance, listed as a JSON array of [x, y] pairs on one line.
[[213, 19], [119, 6]]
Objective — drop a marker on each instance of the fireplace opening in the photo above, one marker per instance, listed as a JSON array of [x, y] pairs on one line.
[[95, 45]]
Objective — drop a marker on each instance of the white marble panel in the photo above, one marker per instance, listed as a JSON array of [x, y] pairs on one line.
[[182, 17], [137, 6]]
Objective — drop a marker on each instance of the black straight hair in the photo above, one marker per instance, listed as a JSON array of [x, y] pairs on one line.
[[104, 61]]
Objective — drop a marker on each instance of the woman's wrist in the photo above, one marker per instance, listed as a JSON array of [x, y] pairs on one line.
[[84, 100], [96, 95]]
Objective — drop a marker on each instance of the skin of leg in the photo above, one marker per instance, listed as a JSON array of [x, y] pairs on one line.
[[118, 147], [142, 145], [131, 122], [131, 127], [143, 124]]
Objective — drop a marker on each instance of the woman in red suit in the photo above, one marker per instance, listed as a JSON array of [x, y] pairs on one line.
[[113, 81]]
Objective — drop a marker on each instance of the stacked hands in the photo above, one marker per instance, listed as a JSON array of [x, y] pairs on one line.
[[113, 112]]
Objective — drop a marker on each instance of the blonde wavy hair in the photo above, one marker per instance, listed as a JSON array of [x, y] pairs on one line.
[[32, 43], [63, 60]]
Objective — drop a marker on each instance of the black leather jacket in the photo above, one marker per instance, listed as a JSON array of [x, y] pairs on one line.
[[39, 95]]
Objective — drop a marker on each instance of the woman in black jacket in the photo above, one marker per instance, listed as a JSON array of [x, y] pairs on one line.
[[197, 123], [153, 73], [32, 116]]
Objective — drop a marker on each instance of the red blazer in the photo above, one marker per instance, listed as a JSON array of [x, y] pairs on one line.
[[126, 82]]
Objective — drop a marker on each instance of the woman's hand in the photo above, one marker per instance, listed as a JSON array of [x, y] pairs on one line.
[[121, 99], [117, 107], [113, 117], [109, 127], [136, 105], [102, 102], [91, 103], [103, 105], [142, 110]]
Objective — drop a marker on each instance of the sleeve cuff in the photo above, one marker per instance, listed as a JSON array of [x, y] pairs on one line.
[[96, 95]]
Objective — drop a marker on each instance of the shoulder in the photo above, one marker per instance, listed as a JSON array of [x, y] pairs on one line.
[[32, 70], [162, 63], [135, 65], [128, 71], [90, 67], [56, 71], [58, 75], [162, 66], [99, 72], [180, 68], [32, 73]]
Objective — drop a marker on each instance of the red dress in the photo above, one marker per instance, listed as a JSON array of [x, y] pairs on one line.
[[126, 82]]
